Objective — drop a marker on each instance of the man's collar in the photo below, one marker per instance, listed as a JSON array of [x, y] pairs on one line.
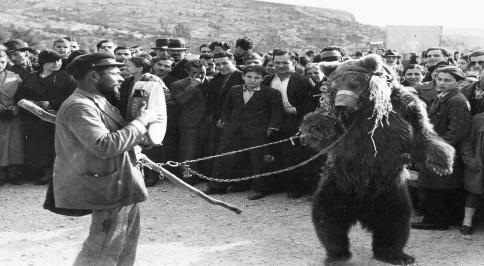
[[277, 76], [256, 89]]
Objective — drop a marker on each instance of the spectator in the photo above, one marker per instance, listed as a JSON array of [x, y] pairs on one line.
[[136, 50], [242, 46], [252, 59], [12, 141], [451, 118], [297, 101], [220, 47], [211, 71], [63, 47], [428, 90], [48, 88], [463, 63], [391, 58], [228, 76], [191, 95], [160, 47], [122, 54], [19, 54], [475, 91], [205, 50], [413, 75], [434, 56], [320, 93], [105, 46], [269, 65], [251, 114], [472, 154], [177, 50]]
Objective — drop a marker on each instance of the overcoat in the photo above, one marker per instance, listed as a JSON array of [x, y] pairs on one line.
[[451, 118], [11, 130], [472, 151], [55, 88]]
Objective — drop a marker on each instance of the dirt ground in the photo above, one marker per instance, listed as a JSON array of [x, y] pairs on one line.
[[180, 229]]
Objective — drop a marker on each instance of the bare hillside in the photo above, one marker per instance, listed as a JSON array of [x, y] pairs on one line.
[[140, 22]]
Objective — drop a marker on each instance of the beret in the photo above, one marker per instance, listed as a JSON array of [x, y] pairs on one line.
[[47, 56]]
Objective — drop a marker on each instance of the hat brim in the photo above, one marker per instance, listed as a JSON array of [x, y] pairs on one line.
[[177, 49], [160, 47], [107, 62], [23, 49]]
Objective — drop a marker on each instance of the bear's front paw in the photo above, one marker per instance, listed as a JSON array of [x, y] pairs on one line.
[[440, 157]]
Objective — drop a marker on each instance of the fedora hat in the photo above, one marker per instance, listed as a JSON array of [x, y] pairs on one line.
[[16, 45], [176, 44], [161, 43]]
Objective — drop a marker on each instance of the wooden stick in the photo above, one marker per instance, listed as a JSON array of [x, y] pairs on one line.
[[48, 117], [173, 178]]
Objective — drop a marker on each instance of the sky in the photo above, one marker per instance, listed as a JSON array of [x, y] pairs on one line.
[[450, 14]]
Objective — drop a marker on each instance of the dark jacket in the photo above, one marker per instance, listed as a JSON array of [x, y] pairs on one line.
[[298, 93], [451, 118], [262, 111], [475, 98], [218, 89], [191, 100], [472, 152], [179, 70], [55, 88]]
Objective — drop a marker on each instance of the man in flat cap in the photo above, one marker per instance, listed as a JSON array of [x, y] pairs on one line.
[[95, 167], [18, 52]]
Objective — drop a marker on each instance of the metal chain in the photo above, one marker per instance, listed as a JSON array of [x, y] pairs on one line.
[[241, 150], [312, 158], [193, 172]]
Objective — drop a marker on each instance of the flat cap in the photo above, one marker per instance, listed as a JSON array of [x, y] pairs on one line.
[[95, 60]]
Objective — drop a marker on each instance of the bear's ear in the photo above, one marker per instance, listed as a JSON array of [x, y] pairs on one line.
[[328, 67], [372, 62]]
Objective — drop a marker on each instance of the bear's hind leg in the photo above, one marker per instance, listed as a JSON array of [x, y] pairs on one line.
[[390, 224], [332, 219]]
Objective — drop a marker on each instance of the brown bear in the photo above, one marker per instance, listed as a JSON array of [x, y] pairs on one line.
[[375, 121]]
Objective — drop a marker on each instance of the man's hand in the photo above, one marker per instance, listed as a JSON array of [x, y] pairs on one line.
[[271, 131], [220, 124], [43, 104], [195, 82], [15, 110], [148, 117]]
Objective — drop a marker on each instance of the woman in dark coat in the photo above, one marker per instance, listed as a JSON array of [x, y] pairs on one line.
[[450, 114], [48, 88]]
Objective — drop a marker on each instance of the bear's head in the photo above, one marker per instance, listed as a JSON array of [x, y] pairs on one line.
[[359, 82], [363, 88]]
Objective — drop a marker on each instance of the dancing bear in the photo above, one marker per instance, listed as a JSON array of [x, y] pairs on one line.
[[373, 129]]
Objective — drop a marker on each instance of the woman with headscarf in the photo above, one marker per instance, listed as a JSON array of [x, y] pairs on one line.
[[11, 132], [48, 88]]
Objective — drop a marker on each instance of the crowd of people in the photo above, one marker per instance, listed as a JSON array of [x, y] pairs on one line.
[[229, 97]]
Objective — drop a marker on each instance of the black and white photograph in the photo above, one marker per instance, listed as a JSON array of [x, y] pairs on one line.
[[241, 133]]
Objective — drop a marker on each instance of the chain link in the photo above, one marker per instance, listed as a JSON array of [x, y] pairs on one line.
[[202, 176], [193, 172], [291, 139]]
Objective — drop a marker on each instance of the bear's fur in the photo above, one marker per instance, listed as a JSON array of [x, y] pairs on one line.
[[363, 177]]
